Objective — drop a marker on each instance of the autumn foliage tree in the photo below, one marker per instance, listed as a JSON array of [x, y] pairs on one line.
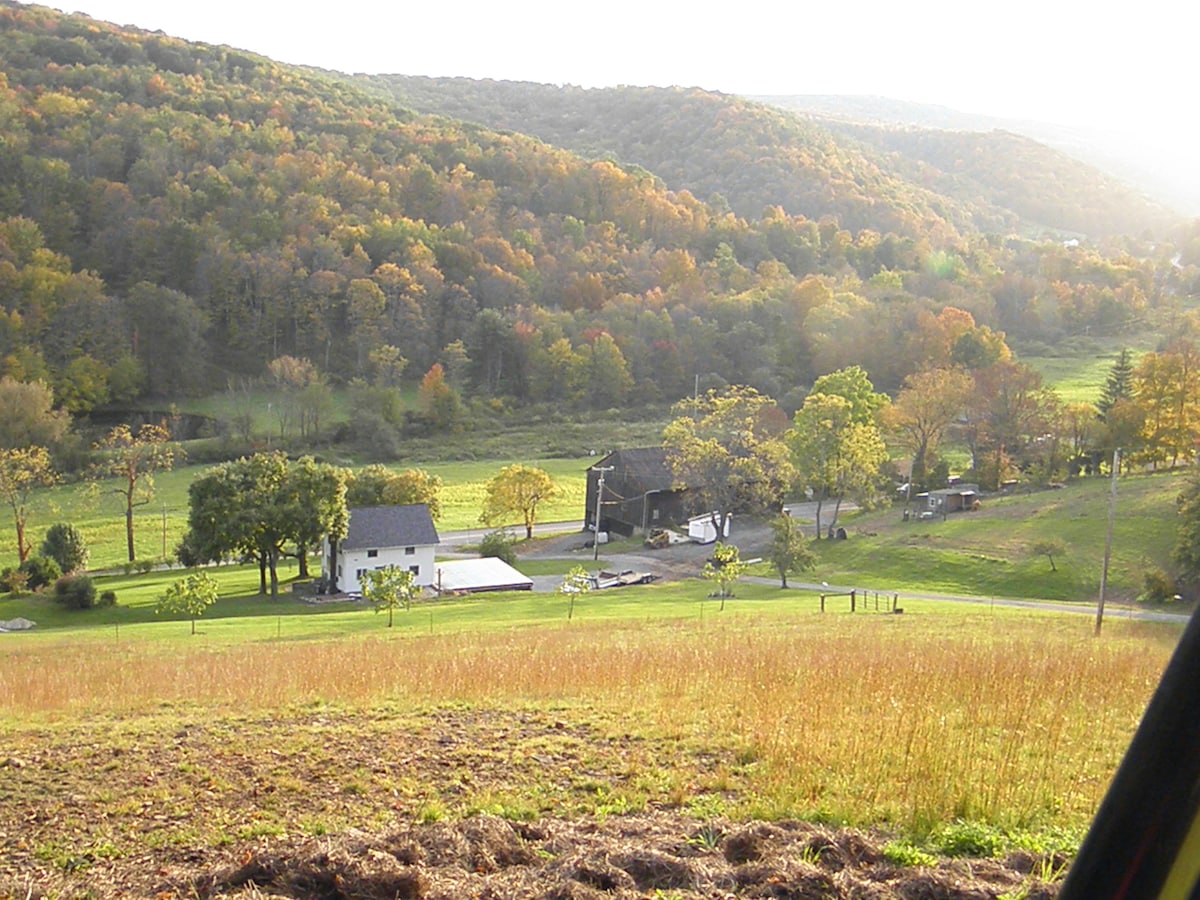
[[132, 458], [926, 407], [727, 450], [28, 416], [517, 491], [22, 470], [1166, 387], [377, 485], [440, 403]]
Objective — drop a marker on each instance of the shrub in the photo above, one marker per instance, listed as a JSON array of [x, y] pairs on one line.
[[499, 544], [1158, 587], [40, 572], [13, 580], [376, 437], [108, 598], [65, 545], [75, 592]]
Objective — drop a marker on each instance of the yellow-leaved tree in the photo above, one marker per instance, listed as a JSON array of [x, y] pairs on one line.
[[517, 491]]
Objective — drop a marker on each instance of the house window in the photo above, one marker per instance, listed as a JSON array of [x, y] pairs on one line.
[[371, 554], [409, 551], [416, 570], [359, 573]]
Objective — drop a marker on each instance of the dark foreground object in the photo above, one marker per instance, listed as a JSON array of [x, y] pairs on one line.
[[1144, 843]]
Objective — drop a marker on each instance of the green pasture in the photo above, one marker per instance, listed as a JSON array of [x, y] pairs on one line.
[[987, 553], [159, 525], [241, 614], [1079, 377], [979, 554]]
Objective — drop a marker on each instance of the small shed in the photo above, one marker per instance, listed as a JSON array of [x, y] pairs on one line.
[[952, 499], [702, 530], [475, 576]]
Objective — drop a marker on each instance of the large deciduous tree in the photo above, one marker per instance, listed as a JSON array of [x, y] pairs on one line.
[[258, 507], [517, 491], [314, 506], [854, 385], [302, 395], [28, 416], [1008, 409], [835, 456], [1167, 387], [132, 458], [727, 450], [168, 329], [22, 470], [926, 407], [377, 485]]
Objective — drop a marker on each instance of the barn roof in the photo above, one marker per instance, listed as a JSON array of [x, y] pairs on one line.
[[644, 466]]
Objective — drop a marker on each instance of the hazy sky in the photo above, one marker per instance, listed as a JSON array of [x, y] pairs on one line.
[[1127, 65]]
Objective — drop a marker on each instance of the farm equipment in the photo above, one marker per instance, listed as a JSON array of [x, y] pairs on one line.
[[658, 539]]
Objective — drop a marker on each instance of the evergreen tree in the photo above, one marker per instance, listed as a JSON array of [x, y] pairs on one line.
[[1118, 385]]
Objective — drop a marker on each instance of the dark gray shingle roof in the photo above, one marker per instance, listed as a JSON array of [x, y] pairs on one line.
[[376, 527], [645, 467]]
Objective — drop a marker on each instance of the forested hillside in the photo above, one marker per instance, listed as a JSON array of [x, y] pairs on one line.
[[174, 214], [1042, 187], [1153, 164], [914, 181]]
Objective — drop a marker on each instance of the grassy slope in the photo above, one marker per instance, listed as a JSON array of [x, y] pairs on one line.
[[809, 717], [986, 553]]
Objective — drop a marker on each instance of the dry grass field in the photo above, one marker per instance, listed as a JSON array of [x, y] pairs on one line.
[[153, 768]]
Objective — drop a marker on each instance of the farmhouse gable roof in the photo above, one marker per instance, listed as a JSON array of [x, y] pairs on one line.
[[374, 527]]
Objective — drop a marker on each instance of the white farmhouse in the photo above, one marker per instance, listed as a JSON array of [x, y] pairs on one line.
[[378, 537]]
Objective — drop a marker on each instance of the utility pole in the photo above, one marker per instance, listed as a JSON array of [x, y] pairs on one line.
[[600, 470], [1112, 507]]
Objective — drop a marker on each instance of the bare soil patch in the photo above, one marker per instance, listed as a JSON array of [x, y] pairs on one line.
[[659, 854], [328, 804]]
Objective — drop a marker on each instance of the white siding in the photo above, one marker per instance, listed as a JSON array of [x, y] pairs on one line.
[[350, 562]]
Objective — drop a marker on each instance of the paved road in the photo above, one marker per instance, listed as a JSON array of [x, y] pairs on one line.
[[475, 535]]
